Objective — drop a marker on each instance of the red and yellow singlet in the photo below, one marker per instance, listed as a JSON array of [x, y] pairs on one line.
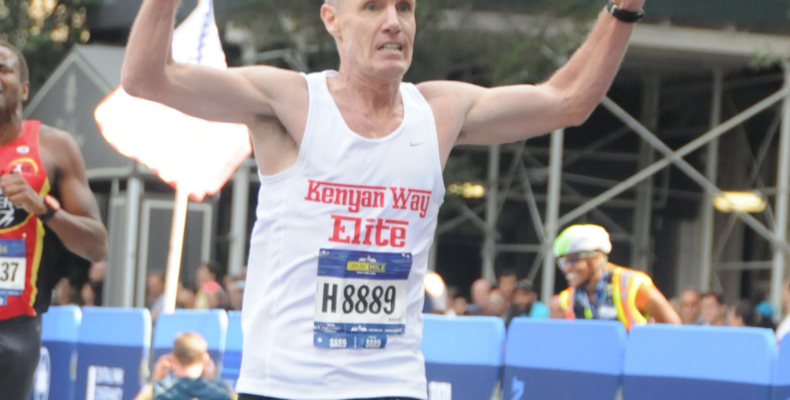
[[21, 233]]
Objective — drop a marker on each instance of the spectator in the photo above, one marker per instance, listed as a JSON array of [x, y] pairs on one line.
[[64, 293], [209, 292], [96, 275], [765, 315], [480, 290], [228, 281], [555, 308], [690, 304], [236, 296], [784, 326], [460, 305], [496, 304], [713, 309], [87, 295], [525, 303], [186, 373], [598, 289], [154, 293], [742, 314], [675, 303], [452, 293], [185, 298], [507, 284]]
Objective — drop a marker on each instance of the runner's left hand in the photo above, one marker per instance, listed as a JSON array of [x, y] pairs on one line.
[[20, 193]]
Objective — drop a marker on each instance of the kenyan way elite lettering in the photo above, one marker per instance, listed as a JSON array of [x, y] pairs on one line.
[[412, 199], [359, 230], [355, 197]]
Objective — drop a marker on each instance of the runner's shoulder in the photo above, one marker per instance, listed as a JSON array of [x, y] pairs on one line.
[[53, 138], [60, 144], [262, 75], [447, 89]]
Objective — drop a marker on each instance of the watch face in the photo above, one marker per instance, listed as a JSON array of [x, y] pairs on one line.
[[52, 202]]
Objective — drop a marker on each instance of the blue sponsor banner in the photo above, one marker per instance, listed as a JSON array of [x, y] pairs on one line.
[[109, 372], [364, 264]]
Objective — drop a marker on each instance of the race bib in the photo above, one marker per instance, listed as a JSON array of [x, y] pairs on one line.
[[13, 268], [361, 298]]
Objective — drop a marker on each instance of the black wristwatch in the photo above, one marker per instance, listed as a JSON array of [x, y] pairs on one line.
[[623, 14], [53, 206]]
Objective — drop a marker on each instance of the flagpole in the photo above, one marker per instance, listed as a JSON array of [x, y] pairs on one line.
[[176, 247]]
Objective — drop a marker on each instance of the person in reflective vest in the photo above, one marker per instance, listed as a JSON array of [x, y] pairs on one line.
[[601, 290]]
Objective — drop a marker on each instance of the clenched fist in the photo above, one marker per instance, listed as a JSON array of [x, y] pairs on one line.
[[20, 193]]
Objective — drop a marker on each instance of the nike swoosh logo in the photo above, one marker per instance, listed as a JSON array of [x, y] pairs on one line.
[[415, 143]]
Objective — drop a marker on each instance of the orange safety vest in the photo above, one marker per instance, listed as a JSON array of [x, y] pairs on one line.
[[624, 287]]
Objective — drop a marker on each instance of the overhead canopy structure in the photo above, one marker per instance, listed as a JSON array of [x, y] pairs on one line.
[[662, 62]]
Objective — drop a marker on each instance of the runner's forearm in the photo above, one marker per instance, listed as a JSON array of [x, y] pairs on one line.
[[84, 236], [148, 50], [587, 76]]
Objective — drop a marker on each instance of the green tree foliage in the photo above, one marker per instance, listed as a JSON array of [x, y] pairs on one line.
[[44, 30]]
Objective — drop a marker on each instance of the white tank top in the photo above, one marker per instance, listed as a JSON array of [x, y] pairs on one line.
[[332, 308]]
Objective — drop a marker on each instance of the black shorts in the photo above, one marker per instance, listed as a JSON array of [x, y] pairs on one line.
[[251, 397], [20, 346]]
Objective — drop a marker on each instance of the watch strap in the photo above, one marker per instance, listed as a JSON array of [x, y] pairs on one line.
[[623, 14], [53, 206]]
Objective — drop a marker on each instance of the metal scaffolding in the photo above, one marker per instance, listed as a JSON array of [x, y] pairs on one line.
[[525, 168], [543, 179]]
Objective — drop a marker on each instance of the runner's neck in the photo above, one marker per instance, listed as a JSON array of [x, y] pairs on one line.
[[10, 128], [380, 95]]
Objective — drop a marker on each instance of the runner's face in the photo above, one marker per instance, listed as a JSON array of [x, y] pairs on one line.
[[12, 90], [375, 37]]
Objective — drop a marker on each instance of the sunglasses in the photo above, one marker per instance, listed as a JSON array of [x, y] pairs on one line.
[[568, 260]]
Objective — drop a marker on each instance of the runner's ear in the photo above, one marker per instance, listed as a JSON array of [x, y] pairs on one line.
[[329, 15]]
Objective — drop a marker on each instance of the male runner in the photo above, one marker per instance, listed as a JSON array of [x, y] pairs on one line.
[[45, 204], [351, 189]]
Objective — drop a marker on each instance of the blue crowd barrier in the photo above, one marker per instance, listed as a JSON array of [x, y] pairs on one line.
[[463, 356], [231, 361], [695, 362], [782, 376], [113, 350], [59, 336], [211, 324], [559, 359]]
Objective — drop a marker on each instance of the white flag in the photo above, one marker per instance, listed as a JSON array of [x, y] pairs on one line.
[[195, 155]]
